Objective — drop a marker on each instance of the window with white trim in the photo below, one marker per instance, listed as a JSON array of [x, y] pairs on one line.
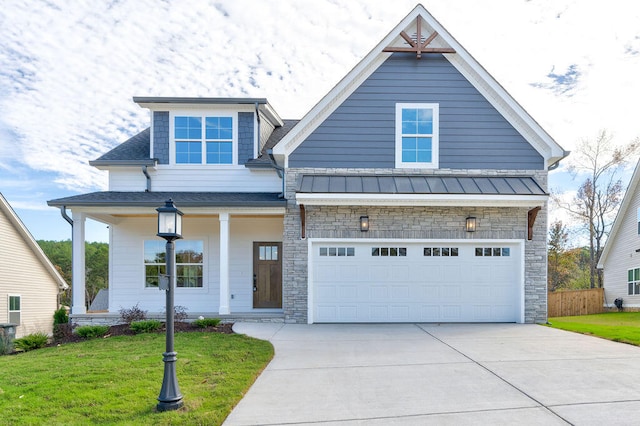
[[203, 139], [15, 309], [638, 216], [337, 251], [633, 281], [189, 263], [417, 132], [389, 251]]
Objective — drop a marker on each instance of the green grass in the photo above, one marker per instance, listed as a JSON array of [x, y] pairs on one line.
[[617, 326], [117, 380]]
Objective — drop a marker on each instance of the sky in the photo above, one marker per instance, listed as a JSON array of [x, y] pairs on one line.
[[70, 68]]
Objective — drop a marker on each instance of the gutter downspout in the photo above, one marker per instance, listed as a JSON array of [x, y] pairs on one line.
[[146, 174], [278, 168], [65, 216], [258, 119]]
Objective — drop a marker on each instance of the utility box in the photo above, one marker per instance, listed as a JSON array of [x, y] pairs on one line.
[[7, 335]]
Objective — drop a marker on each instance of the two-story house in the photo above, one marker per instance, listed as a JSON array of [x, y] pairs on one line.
[[414, 191]]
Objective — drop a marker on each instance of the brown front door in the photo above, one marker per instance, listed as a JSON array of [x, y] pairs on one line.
[[267, 275]]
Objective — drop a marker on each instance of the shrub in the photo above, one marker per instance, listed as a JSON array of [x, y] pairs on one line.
[[62, 332], [132, 314], [31, 342], [207, 322], [179, 312], [92, 331], [60, 317], [146, 326]]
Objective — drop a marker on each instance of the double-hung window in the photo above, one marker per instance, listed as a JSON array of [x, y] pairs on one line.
[[189, 263], [417, 135], [203, 139], [14, 309], [633, 281]]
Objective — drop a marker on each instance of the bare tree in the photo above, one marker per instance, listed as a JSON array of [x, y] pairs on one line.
[[600, 194]]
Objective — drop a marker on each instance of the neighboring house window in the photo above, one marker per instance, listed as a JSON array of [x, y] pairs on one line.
[[638, 216], [189, 263], [14, 309], [203, 139], [633, 281], [417, 135]]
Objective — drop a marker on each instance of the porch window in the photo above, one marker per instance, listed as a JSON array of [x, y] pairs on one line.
[[189, 263], [14, 309]]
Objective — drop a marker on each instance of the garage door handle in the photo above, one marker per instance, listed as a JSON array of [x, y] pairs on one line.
[[255, 281]]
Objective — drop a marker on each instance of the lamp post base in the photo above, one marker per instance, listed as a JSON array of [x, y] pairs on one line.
[[170, 396]]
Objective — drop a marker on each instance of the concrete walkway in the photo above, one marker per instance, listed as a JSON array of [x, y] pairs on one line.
[[416, 374]]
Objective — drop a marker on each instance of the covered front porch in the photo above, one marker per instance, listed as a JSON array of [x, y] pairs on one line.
[[229, 261]]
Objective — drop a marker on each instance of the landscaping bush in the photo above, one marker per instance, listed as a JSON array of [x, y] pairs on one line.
[[60, 317], [179, 313], [62, 332], [92, 331], [31, 342], [207, 322], [146, 326], [132, 314]]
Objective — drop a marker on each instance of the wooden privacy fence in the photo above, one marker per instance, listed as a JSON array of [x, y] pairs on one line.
[[575, 302]]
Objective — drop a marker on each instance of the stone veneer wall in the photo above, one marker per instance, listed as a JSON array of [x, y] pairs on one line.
[[410, 223]]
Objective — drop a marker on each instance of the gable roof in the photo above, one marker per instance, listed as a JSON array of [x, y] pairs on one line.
[[22, 230], [550, 150], [632, 189]]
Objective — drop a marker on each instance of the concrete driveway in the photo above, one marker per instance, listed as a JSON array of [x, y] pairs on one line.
[[415, 374]]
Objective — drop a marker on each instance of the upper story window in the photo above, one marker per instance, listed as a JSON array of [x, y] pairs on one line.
[[203, 139], [638, 216], [417, 135]]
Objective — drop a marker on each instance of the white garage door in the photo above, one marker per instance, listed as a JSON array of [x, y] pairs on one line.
[[428, 282]]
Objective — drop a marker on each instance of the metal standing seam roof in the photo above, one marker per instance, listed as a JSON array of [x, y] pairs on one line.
[[182, 199], [420, 184]]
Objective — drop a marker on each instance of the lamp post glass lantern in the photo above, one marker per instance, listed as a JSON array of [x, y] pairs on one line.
[[169, 228]]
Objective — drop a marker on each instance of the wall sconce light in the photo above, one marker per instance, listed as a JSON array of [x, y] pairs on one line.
[[364, 223], [471, 224]]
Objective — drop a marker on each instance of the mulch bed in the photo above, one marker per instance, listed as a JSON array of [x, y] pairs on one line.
[[63, 333]]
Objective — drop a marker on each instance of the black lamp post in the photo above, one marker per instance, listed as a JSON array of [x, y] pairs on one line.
[[169, 228]]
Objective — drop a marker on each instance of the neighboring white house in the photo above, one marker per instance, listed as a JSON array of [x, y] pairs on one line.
[[620, 260], [29, 283], [414, 191]]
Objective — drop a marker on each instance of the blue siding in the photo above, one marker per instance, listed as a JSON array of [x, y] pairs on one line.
[[360, 133], [161, 136], [245, 137]]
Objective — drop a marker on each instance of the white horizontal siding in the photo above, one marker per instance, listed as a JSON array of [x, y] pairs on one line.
[[623, 256], [127, 179], [195, 178], [23, 274], [127, 269]]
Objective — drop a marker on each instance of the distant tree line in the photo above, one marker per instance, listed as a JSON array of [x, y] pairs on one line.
[[97, 266]]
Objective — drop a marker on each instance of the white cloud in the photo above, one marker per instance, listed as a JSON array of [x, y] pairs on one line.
[[70, 70]]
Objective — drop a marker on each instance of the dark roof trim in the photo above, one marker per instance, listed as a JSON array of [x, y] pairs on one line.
[[99, 163], [173, 100], [420, 184], [182, 199]]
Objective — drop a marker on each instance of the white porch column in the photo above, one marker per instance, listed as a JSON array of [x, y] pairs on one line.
[[224, 264], [78, 264]]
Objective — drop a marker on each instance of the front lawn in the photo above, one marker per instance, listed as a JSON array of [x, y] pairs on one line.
[[617, 326], [117, 380]]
